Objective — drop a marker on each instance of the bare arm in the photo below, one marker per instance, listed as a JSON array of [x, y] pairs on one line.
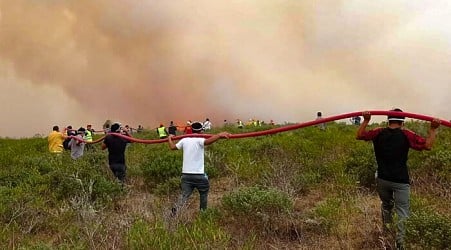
[[216, 137], [364, 124], [103, 146], [171, 143], [432, 133]]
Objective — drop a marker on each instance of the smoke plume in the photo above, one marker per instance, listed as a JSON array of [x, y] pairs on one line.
[[146, 62]]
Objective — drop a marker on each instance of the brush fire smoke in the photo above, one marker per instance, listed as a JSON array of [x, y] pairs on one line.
[[146, 62]]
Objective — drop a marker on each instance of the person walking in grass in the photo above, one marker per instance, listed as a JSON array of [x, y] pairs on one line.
[[193, 169], [116, 146], [77, 145], [391, 146], [55, 141]]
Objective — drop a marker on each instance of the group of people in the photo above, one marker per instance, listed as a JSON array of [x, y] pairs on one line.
[[71, 139], [164, 132], [391, 146]]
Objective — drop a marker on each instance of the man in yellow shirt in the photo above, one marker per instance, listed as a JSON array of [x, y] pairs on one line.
[[55, 140]]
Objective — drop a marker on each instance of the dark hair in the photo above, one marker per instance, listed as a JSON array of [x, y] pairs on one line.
[[115, 127], [319, 114], [197, 127], [56, 128]]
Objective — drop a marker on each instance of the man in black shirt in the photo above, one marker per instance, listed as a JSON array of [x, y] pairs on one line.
[[391, 147], [116, 151], [172, 130]]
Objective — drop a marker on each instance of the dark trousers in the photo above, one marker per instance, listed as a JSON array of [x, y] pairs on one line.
[[191, 182], [118, 170]]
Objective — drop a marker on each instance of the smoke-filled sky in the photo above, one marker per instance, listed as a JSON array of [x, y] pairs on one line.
[[144, 62]]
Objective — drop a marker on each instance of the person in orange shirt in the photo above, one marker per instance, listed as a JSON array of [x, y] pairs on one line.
[[55, 140]]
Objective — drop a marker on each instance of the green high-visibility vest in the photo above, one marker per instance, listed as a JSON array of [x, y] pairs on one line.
[[162, 131], [88, 136]]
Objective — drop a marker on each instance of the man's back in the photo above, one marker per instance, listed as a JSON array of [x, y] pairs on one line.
[[391, 148], [116, 148], [193, 155], [172, 130], [55, 140]]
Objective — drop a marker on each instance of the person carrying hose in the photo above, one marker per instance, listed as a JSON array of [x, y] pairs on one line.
[[391, 147]]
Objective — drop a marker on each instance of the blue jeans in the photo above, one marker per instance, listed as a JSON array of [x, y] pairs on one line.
[[191, 182], [394, 195]]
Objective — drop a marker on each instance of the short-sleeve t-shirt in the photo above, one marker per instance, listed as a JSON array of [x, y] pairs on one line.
[[193, 155], [55, 140], [116, 149], [391, 148]]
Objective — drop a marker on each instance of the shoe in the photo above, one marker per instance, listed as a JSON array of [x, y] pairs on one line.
[[173, 212]]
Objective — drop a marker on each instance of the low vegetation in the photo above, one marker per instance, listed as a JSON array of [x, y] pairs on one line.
[[302, 189]]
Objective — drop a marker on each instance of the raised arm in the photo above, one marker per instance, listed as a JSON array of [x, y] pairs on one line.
[[363, 125], [171, 143], [431, 134]]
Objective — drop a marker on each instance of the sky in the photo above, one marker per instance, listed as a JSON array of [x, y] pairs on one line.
[[79, 62]]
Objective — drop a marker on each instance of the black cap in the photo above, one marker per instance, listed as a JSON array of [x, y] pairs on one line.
[[197, 126], [115, 127]]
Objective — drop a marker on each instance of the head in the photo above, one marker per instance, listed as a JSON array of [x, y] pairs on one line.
[[172, 122], [115, 127], [56, 128], [88, 126], [319, 114], [161, 125], [396, 119], [197, 127], [81, 130]]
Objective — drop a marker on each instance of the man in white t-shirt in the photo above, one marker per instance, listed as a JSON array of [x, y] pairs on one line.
[[207, 124], [193, 170]]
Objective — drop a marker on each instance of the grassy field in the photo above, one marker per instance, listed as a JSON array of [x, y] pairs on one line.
[[302, 189]]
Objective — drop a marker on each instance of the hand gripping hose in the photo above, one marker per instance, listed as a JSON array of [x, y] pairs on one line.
[[284, 128]]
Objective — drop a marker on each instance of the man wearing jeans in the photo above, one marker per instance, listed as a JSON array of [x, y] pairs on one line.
[[193, 171], [391, 147]]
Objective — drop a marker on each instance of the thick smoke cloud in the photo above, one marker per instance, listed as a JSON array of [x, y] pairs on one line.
[[151, 61]]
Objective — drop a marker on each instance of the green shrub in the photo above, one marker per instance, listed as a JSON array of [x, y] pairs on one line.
[[328, 213], [171, 186], [260, 202], [306, 180], [361, 165], [162, 167], [429, 230]]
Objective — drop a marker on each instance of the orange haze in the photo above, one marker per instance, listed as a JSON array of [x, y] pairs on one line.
[[145, 62]]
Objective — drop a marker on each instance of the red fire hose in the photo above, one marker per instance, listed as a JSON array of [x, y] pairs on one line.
[[284, 128]]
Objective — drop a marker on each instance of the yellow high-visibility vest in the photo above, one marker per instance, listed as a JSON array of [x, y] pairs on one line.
[[88, 136], [162, 131]]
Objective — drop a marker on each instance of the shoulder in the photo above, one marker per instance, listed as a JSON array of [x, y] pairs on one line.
[[408, 131], [370, 134]]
